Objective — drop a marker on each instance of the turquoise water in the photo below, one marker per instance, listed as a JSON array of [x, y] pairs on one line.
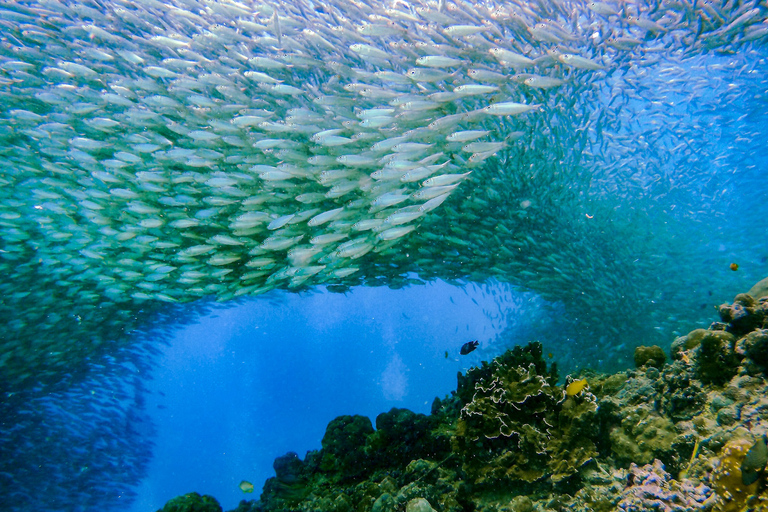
[[589, 173]]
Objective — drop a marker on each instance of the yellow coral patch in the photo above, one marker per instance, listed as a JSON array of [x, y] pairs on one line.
[[726, 478]]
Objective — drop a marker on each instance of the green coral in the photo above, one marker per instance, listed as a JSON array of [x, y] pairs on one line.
[[650, 356], [402, 436], [192, 502], [519, 356], [642, 436], [520, 427], [343, 452], [289, 485], [716, 360]]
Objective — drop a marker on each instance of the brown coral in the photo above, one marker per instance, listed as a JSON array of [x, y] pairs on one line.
[[528, 427], [726, 477]]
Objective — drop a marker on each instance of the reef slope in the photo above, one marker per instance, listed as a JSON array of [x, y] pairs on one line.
[[665, 436]]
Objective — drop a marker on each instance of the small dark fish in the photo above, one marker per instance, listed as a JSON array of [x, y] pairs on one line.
[[734, 266], [468, 347], [754, 461]]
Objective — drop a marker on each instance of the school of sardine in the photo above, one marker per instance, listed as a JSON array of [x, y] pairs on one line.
[[157, 153]]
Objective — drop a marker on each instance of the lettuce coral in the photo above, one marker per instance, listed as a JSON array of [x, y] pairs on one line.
[[524, 424]]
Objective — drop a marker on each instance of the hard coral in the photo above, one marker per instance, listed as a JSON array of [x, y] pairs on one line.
[[642, 435], [288, 486], [745, 314], [519, 356], [759, 290], [402, 436], [650, 356], [755, 346], [726, 478], [520, 427], [343, 452], [192, 502], [713, 351], [653, 489], [288, 468], [716, 361], [419, 505]]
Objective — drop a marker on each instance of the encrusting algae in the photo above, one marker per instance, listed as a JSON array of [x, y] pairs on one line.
[[509, 438]]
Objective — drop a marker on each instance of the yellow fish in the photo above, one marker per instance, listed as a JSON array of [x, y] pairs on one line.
[[246, 486], [575, 387]]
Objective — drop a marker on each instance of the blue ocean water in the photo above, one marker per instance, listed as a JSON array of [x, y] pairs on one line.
[[247, 384]]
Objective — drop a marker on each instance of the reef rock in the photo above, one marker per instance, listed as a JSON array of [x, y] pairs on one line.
[[755, 346], [650, 488], [744, 314], [759, 290]]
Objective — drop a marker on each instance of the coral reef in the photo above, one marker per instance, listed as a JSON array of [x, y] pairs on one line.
[[745, 314], [667, 436], [344, 446], [524, 424], [192, 502], [759, 290], [726, 477], [715, 362], [650, 488], [650, 356]]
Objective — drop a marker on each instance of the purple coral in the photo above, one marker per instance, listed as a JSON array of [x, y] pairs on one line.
[[653, 489]]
